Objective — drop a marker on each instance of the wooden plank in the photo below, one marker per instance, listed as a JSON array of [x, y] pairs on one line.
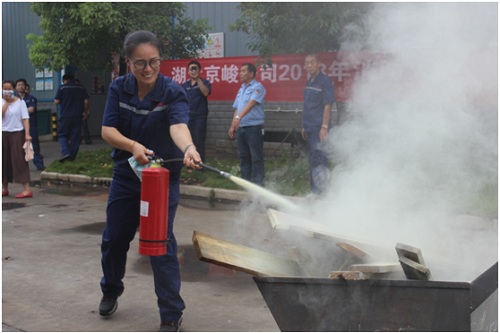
[[379, 268], [242, 258], [310, 229], [348, 275], [413, 264], [356, 251], [415, 271]]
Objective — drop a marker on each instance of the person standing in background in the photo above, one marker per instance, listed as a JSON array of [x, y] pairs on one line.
[[198, 89], [247, 125], [74, 101], [318, 99], [15, 133], [85, 124], [23, 91]]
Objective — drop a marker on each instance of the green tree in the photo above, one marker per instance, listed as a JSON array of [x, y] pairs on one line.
[[86, 34], [297, 27]]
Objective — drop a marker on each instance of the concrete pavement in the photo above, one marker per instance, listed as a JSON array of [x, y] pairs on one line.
[[51, 264]]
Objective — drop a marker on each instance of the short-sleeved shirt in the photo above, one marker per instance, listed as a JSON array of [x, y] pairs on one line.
[[148, 121], [252, 91], [12, 121], [198, 103], [72, 95], [317, 94], [30, 101]]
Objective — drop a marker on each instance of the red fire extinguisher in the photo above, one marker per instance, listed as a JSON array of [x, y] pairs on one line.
[[154, 211]]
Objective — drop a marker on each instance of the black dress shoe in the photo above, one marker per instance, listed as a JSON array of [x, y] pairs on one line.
[[108, 305], [40, 168]]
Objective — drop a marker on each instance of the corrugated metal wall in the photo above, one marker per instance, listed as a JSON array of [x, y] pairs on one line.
[[220, 15], [17, 21]]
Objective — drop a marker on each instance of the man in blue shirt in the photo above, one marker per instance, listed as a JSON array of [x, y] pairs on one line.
[[247, 124], [318, 100], [74, 101], [198, 89], [22, 90]]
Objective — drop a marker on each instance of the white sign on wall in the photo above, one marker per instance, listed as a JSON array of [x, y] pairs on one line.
[[214, 46]]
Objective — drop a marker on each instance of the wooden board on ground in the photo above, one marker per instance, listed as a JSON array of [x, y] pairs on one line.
[[281, 220], [413, 264], [242, 258]]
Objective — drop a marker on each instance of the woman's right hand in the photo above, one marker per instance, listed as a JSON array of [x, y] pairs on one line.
[[141, 153]]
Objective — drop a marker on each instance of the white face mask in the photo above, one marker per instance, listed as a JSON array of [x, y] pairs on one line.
[[8, 93]]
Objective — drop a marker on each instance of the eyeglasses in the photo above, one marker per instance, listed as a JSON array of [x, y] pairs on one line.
[[193, 68], [141, 64]]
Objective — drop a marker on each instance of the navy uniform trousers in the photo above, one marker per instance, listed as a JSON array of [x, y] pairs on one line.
[[122, 222]]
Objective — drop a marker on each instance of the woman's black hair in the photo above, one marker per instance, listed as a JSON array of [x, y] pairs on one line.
[[9, 81], [133, 39]]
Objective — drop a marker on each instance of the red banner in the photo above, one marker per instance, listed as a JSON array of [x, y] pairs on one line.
[[284, 80]]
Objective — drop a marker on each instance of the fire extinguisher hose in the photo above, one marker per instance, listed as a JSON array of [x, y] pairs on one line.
[[159, 160]]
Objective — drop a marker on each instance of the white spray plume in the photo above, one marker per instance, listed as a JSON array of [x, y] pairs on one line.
[[422, 139]]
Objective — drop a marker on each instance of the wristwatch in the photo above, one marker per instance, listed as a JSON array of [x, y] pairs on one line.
[[324, 126], [237, 117]]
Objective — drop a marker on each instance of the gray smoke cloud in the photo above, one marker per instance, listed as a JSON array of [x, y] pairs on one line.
[[421, 143]]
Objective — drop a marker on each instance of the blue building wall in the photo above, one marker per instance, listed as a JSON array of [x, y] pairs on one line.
[[18, 20], [220, 15]]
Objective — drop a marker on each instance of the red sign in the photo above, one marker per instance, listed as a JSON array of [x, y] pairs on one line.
[[284, 80]]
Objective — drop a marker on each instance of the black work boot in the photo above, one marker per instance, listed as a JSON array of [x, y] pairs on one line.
[[171, 326], [108, 305]]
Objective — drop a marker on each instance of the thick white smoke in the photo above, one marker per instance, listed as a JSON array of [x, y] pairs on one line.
[[421, 144]]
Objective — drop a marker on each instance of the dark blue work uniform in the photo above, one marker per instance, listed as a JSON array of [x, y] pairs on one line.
[[31, 101], [198, 115], [147, 122], [72, 97], [318, 93]]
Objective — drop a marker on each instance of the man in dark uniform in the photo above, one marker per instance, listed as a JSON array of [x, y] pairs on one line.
[[74, 101], [22, 90], [318, 100], [198, 89]]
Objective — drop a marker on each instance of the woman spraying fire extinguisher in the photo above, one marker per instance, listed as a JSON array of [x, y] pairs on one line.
[[146, 113]]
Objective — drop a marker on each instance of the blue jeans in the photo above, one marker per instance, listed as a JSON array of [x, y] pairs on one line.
[[251, 153], [198, 129], [318, 163], [68, 132]]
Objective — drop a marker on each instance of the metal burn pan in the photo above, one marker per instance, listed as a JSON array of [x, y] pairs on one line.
[[320, 304]]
